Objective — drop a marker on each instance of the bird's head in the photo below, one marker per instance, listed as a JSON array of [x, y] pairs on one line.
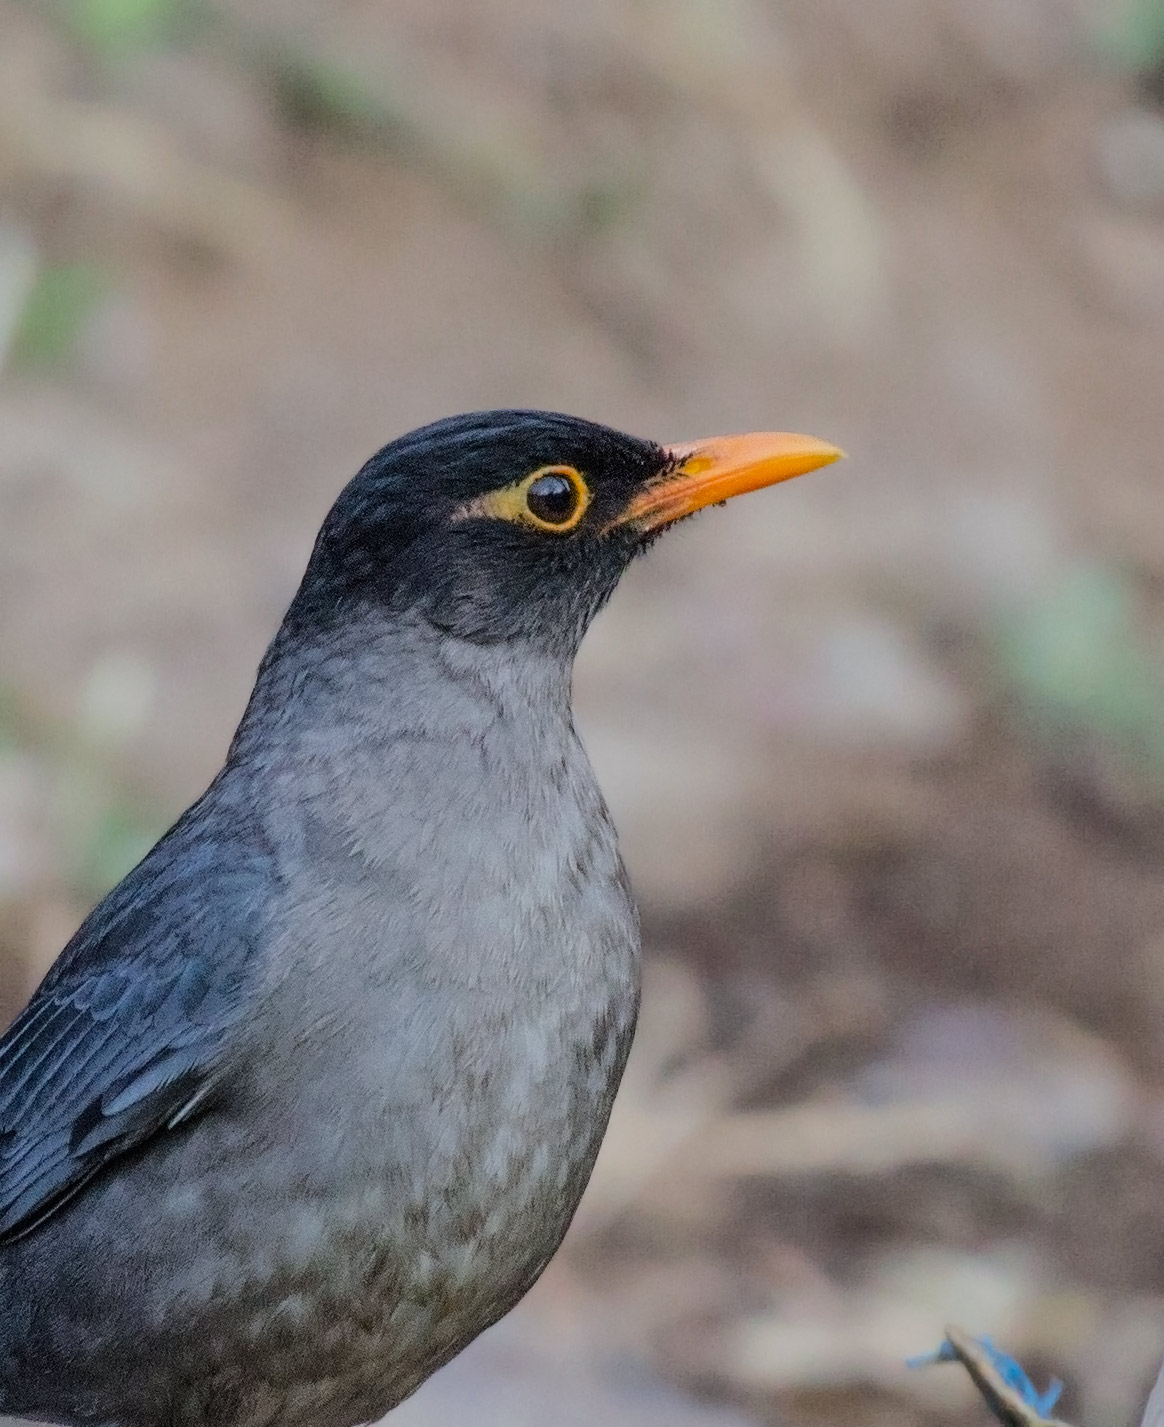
[[517, 525]]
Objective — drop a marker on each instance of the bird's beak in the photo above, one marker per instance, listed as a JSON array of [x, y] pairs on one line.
[[703, 473]]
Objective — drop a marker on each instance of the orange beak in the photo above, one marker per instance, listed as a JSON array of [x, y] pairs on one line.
[[712, 471]]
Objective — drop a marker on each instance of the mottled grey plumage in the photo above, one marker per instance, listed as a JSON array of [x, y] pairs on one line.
[[423, 1073], [310, 1098]]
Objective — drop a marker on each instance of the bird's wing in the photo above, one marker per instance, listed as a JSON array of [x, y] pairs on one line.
[[130, 1029]]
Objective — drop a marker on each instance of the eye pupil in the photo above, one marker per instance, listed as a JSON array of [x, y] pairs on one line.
[[552, 498]]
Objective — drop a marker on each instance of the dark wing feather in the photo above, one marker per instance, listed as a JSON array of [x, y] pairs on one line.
[[128, 1031]]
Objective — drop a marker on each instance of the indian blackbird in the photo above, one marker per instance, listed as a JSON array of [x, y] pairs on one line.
[[310, 1098]]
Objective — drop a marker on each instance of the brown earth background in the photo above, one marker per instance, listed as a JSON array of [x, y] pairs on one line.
[[886, 746]]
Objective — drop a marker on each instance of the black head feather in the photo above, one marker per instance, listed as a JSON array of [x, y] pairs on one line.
[[394, 538]]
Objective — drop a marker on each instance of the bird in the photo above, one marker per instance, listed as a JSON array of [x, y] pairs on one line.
[[309, 1099]]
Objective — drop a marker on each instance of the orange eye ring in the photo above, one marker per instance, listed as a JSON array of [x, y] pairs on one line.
[[555, 498], [552, 498]]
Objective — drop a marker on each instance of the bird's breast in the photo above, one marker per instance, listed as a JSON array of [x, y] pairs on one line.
[[450, 1004]]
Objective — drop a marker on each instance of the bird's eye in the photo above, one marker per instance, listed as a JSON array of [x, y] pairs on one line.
[[555, 498], [552, 498]]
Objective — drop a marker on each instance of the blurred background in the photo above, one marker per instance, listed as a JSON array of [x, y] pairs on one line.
[[886, 746]]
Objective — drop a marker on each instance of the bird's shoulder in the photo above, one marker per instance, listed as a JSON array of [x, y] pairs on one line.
[[130, 1029]]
